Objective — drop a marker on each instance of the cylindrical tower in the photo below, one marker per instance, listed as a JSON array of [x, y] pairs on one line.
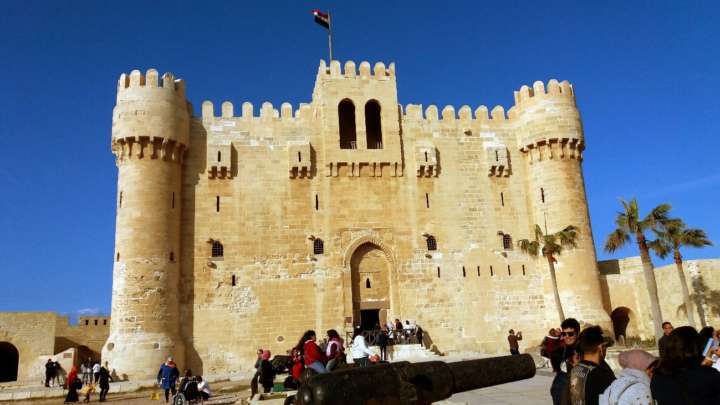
[[150, 134], [551, 140]]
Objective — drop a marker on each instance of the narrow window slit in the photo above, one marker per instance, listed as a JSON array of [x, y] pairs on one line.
[[464, 274], [217, 203]]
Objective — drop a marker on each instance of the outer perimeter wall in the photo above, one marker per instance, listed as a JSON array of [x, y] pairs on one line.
[[268, 187]]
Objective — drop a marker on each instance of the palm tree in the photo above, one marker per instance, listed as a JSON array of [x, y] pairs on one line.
[[671, 236], [549, 246], [629, 225]]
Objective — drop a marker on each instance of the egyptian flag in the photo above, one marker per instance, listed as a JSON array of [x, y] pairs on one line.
[[322, 18]]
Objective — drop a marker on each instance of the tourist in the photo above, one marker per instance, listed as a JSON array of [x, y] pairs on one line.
[[632, 387], [591, 376], [382, 341], [564, 358], [73, 385], [204, 388], [254, 381], [513, 342], [549, 344], [87, 375], [104, 382], [96, 371], [680, 378], [49, 372], [293, 380], [267, 374], [408, 330], [167, 377], [334, 351], [187, 377], [313, 357], [667, 329], [419, 335], [398, 331], [359, 350]]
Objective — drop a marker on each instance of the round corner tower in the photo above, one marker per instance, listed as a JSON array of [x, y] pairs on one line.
[[552, 142], [150, 134]]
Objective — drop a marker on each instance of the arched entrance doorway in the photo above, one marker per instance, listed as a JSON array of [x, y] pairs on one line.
[[370, 286], [9, 360], [621, 323]]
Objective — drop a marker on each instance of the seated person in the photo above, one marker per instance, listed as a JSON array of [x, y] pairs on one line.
[[203, 388]]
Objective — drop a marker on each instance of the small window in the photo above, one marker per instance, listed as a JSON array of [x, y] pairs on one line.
[[478, 271], [367, 283], [509, 273], [523, 269], [497, 156], [172, 202], [464, 274], [232, 281], [172, 256], [431, 243], [104, 321], [427, 200], [542, 194], [507, 242], [492, 273], [318, 247], [299, 157], [317, 203], [217, 203], [217, 249], [120, 200], [117, 256], [502, 199], [219, 156], [438, 271], [87, 322], [96, 322], [426, 157]]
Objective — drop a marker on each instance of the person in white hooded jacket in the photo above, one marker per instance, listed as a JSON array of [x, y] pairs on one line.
[[360, 351], [632, 387]]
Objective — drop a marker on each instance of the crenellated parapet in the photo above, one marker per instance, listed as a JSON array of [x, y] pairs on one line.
[[150, 118], [351, 71], [465, 118], [266, 113]]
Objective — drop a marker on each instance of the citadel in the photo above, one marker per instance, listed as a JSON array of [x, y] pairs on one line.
[[239, 229]]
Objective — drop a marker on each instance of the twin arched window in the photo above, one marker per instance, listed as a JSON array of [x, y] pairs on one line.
[[373, 125]]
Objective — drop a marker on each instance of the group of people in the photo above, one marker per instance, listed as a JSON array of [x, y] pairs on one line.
[[192, 387], [54, 374], [685, 372], [87, 381]]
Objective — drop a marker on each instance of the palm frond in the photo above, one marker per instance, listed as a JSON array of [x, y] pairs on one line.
[[657, 217], [695, 237], [661, 247], [617, 239], [530, 247], [568, 236]]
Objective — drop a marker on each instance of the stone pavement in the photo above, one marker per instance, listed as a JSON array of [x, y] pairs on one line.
[[535, 391]]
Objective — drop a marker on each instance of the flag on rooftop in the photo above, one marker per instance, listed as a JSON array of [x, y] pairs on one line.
[[322, 18]]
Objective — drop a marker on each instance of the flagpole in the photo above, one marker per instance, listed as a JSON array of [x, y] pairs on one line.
[[330, 36]]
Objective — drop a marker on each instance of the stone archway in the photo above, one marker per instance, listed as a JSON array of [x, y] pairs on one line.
[[621, 318], [370, 285], [9, 361]]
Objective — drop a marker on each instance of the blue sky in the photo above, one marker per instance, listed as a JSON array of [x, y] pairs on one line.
[[645, 75]]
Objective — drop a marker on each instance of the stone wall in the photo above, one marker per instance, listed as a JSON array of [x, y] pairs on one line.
[[624, 287], [32, 334]]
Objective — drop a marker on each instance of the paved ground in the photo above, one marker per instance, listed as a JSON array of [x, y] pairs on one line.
[[535, 391]]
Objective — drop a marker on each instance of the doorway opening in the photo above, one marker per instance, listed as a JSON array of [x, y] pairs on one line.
[[369, 319], [9, 359]]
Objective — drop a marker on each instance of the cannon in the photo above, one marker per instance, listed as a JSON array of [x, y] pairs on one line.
[[411, 383]]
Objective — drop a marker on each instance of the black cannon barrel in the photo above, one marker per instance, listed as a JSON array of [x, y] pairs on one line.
[[412, 383]]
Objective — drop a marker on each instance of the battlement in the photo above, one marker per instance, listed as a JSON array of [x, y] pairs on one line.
[[413, 112], [267, 111], [334, 71], [151, 80], [527, 95]]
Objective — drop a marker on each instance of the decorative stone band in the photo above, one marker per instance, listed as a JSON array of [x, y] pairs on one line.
[[555, 148], [364, 169], [148, 148]]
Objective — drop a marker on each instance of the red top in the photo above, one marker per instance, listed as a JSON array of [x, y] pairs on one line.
[[313, 353]]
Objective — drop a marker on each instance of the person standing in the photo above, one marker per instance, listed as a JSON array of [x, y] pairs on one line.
[[254, 382], [267, 374], [591, 376], [87, 371], [419, 335], [513, 341], [96, 371], [167, 377], [49, 372], [104, 382], [667, 330], [73, 385], [564, 358], [334, 351], [359, 350], [382, 341]]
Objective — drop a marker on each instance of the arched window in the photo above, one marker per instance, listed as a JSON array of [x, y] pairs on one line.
[[217, 249], [431, 243], [367, 283], [346, 115], [373, 127], [318, 247], [172, 256], [507, 242]]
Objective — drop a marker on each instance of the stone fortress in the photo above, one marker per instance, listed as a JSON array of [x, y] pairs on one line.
[[239, 230]]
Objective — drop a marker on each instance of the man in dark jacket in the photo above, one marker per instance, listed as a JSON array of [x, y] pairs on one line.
[[49, 372], [562, 358], [662, 343], [104, 382], [592, 375]]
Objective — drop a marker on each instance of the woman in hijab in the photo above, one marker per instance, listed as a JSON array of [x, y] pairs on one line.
[[73, 384], [267, 374]]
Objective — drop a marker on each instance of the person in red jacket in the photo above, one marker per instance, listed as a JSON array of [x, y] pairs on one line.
[[312, 354]]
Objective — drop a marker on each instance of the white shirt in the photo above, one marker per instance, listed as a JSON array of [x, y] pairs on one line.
[[631, 388], [96, 368], [204, 387], [359, 348]]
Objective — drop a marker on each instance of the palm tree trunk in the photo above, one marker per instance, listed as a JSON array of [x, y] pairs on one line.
[[651, 284], [553, 279], [686, 293]]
